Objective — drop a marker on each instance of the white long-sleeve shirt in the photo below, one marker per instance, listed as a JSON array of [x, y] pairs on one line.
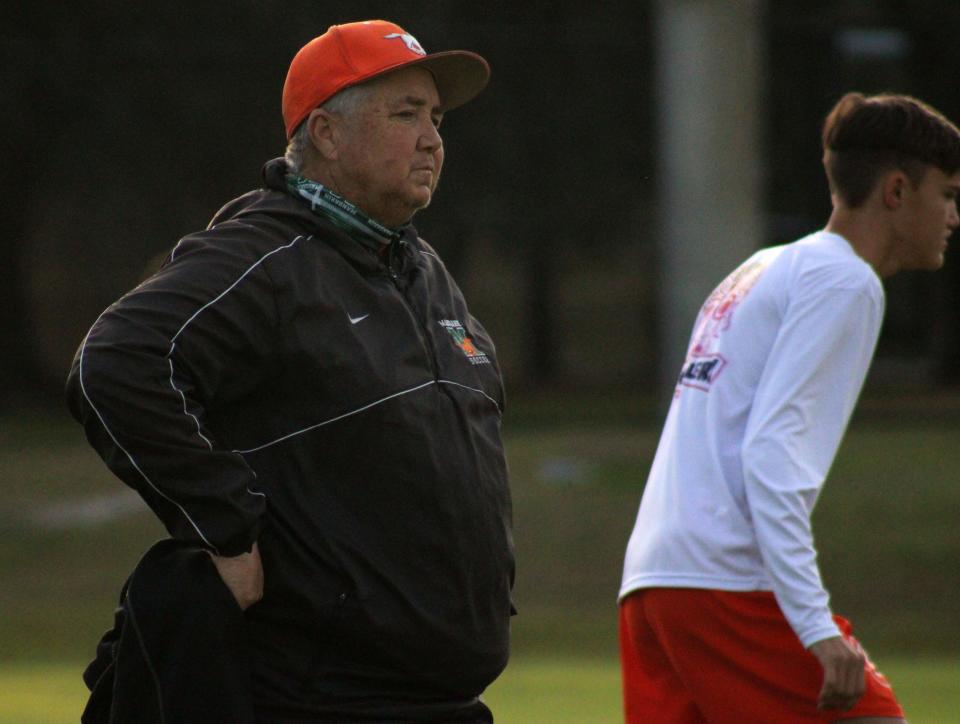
[[776, 361]]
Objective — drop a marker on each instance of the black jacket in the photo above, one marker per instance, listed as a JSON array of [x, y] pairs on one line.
[[177, 651], [279, 380]]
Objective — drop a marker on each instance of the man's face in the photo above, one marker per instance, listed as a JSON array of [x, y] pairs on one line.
[[928, 217], [389, 150]]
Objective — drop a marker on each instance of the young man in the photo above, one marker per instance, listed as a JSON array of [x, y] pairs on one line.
[[723, 614]]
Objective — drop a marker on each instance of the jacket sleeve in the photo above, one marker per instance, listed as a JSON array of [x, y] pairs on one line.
[[806, 395], [193, 338]]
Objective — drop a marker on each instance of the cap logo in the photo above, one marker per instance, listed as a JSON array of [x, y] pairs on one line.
[[409, 41]]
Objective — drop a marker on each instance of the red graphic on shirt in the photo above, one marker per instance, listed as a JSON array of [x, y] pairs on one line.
[[716, 315], [704, 363]]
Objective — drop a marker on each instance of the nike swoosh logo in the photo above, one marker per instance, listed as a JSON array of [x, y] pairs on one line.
[[355, 320]]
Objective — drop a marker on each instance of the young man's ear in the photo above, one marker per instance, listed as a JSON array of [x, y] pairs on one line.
[[893, 185], [320, 128]]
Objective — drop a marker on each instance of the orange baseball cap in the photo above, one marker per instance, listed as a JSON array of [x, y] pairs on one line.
[[354, 52]]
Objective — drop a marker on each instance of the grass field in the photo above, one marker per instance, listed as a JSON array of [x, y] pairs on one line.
[[557, 690], [886, 528]]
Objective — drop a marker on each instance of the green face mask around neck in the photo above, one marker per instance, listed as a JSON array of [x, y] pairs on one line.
[[339, 210]]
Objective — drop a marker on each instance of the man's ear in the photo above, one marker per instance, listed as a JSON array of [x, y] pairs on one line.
[[893, 184], [321, 127]]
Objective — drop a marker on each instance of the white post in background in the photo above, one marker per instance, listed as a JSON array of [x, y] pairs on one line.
[[708, 66]]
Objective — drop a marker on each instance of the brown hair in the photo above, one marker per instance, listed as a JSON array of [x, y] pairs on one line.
[[865, 136]]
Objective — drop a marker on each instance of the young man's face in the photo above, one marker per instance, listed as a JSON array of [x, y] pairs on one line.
[[927, 219]]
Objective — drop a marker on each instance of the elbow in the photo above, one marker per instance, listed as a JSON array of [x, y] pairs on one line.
[[73, 391], [87, 382], [755, 454], [767, 462], [773, 468]]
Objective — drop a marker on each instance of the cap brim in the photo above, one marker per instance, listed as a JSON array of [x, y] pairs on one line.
[[459, 74]]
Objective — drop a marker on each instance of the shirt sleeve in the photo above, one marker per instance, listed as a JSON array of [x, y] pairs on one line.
[[803, 403], [193, 338]]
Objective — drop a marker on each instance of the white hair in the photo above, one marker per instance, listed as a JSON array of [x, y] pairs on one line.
[[344, 103]]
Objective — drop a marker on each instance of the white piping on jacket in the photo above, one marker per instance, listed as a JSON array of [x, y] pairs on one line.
[[113, 437], [83, 389], [185, 410], [472, 389], [361, 409], [334, 419]]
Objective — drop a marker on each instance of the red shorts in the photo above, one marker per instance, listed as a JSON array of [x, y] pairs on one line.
[[691, 656]]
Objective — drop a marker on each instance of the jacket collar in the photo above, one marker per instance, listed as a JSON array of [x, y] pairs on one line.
[[371, 247]]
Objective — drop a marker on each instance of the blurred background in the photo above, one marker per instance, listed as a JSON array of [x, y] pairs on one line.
[[625, 156]]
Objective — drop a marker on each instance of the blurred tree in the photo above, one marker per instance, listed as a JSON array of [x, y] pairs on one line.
[[935, 63], [142, 120], [820, 49], [26, 129], [126, 126]]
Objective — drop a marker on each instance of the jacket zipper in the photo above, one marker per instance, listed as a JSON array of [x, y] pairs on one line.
[[425, 339]]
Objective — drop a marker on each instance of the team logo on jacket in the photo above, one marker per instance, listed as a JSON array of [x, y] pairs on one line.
[[463, 341]]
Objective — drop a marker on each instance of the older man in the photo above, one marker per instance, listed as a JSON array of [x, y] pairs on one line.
[[302, 392]]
